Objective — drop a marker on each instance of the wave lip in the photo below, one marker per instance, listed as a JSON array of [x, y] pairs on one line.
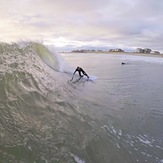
[[46, 56]]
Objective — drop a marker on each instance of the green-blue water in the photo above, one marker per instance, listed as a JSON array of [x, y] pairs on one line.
[[45, 118]]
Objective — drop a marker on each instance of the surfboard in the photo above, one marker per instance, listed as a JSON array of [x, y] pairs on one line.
[[77, 78], [91, 78]]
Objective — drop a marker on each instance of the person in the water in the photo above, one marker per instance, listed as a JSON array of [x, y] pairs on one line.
[[80, 70]]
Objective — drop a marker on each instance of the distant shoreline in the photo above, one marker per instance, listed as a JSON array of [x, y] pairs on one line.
[[137, 54], [121, 53]]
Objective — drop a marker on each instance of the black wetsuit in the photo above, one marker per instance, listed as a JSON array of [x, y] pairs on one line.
[[80, 70]]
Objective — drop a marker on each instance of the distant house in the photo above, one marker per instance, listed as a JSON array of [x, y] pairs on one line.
[[79, 51], [100, 51], [116, 50], [147, 50], [155, 52], [111, 50], [139, 50]]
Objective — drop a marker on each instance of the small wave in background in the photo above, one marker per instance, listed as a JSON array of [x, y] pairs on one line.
[[147, 59]]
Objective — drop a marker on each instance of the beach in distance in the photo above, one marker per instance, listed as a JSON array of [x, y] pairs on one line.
[[123, 53]]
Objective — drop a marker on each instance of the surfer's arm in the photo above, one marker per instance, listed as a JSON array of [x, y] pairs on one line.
[[74, 72], [73, 75]]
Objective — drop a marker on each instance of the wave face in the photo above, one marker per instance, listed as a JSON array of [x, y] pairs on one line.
[[36, 108], [46, 55]]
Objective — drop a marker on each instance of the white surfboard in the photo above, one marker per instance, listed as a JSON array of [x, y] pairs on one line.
[[91, 78], [77, 78]]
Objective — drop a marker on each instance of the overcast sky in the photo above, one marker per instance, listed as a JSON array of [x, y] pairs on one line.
[[74, 24]]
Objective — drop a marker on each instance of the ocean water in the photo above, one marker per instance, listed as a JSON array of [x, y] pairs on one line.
[[46, 118]]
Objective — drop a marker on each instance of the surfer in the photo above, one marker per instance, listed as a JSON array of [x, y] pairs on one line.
[[80, 70]]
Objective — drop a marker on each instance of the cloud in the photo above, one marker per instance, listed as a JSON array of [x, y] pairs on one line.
[[128, 23]]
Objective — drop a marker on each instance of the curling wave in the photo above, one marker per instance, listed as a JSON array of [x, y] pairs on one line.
[[35, 105]]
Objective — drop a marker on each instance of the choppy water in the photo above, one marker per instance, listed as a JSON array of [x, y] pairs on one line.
[[45, 118]]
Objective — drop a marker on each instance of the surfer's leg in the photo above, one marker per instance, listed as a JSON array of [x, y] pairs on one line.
[[86, 75], [80, 74]]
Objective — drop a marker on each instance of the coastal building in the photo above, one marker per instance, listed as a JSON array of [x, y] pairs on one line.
[[155, 52], [147, 50], [84, 51], [116, 50], [79, 51], [139, 50], [100, 51]]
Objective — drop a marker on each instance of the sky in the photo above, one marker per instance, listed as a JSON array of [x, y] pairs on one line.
[[84, 24]]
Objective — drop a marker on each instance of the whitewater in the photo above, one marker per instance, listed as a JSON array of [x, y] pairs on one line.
[[46, 118]]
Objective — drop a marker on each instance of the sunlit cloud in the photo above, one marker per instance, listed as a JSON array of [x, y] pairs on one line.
[[70, 24]]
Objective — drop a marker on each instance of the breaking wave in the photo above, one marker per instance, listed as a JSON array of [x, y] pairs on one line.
[[36, 107]]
